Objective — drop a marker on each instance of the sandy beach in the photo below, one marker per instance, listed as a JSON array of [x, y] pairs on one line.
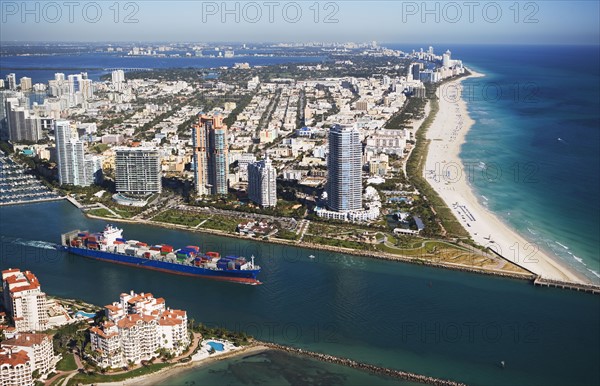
[[449, 177], [164, 374]]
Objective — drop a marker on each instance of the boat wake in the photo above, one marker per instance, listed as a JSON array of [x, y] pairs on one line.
[[32, 243]]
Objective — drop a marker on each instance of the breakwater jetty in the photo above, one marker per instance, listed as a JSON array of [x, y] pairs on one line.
[[364, 366], [581, 287]]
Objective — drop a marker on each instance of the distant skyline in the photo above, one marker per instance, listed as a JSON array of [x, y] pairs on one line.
[[460, 22]]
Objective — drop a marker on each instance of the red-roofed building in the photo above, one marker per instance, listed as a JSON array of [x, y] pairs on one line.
[[39, 349], [138, 325], [24, 300], [15, 368]]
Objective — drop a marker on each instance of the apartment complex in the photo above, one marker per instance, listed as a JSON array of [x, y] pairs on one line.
[[74, 166], [138, 170], [211, 148], [138, 325], [24, 300], [15, 368], [262, 183], [39, 349], [344, 166]]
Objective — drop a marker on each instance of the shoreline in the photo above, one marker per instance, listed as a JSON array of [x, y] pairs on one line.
[[167, 374], [447, 175], [379, 255], [178, 368]]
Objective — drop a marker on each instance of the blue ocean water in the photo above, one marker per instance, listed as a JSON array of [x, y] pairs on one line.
[[42, 68], [426, 320], [537, 129]]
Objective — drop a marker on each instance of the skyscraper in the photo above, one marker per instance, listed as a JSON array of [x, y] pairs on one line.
[[22, 124], [211, 166], [70, 155], [262, 183], [138, 170], [11, 81], [26, 84], [344, 167]]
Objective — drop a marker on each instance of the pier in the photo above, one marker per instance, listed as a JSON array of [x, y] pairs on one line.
[[580, 287], [364, 366]]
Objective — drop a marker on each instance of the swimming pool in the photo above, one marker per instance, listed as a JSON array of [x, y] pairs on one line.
[[84, 314], [216, 345]]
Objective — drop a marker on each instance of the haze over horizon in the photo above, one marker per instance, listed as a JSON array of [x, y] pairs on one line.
[[555, 22]]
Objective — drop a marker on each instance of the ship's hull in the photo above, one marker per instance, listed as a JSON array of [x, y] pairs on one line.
[[239, 276]]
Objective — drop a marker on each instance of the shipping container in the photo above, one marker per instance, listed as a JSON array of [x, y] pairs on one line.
[[166, 248], [121, 239], [213, 254], [140, 244], [194, 247]]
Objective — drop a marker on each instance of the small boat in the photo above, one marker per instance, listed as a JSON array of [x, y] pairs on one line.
[[311, 256], [502, 364]]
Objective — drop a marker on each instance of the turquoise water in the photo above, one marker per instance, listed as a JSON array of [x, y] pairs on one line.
[[537, 129], [278, 369], [386, 313], [216, 346], [85, 314]]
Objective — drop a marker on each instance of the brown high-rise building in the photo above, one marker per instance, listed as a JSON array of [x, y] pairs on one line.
[[209, 137]]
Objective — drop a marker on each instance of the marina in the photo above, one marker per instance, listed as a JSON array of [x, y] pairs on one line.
[[18, 187]]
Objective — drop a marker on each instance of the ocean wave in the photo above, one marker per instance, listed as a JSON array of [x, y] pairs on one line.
[[594, 272], [579, 259], [562, 245]]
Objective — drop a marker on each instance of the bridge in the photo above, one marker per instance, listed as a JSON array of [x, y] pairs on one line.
[[129, 69]]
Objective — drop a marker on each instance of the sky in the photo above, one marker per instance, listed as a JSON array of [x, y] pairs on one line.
[[466, 22]]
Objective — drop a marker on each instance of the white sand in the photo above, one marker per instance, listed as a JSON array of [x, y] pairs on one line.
[[448, 176]]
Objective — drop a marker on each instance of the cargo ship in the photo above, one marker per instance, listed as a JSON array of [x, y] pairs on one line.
[[109, 245]]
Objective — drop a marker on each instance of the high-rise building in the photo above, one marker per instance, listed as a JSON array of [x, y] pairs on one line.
[[74, 81], [211, 166], [344, 167], [262, 183], [26, 84], [23, 125], [446, 59], [118, 78], [138, 170], [11, 81], [70, 155], [24, 300]]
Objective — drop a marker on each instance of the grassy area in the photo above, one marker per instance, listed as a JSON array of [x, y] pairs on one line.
[[100, 212], [336, 242], [95, 378], [67, 363], [179, 217], [287, 235], [221, 223]]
